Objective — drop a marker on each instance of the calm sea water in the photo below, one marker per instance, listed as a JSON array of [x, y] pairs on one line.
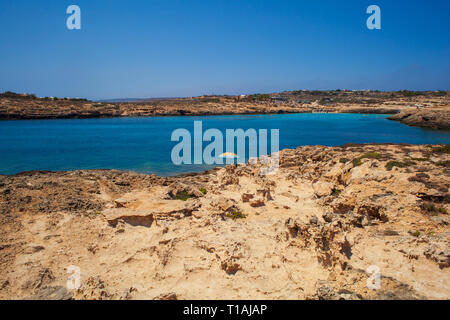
[[143, 144]]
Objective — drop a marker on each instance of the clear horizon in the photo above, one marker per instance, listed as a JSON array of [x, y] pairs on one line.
[[155, 49]]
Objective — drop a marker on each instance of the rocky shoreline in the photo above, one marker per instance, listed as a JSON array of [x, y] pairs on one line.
[[426, 109], [428, 118], [310, 231]]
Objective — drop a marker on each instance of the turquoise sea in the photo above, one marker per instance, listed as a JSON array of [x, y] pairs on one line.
[[144, 145]]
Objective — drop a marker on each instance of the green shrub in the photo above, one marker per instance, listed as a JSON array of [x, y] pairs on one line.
[[203, 190], [415, 233], [399, 164], [443, 148], [392, 164], [343, 160], [431, 209], [236, 215], [368, 155], [444, 163], [371, 155], [357, 162], [419, 159], [336, 192], [182, 196]]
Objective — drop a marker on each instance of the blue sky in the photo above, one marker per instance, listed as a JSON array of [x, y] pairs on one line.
[[167, 48]]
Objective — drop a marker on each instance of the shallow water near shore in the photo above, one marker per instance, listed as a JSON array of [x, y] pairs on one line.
[[144, 145]]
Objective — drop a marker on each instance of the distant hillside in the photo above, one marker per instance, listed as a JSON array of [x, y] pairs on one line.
[[28, 96], [431, 104]]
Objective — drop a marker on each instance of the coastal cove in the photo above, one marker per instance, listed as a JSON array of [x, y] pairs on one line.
[[144, 144]]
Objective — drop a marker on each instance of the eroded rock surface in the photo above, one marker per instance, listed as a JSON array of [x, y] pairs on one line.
[[309, 231], [426, 118]]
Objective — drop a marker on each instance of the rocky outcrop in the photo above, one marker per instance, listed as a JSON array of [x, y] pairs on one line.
[[316, 229], [426, 118]]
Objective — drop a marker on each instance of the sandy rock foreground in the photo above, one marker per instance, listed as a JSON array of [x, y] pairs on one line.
[[310, 231]]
